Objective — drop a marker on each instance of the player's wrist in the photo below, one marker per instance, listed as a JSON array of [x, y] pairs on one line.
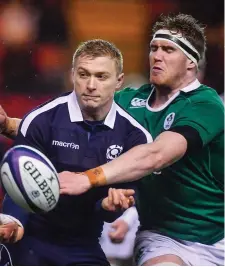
[[96, 177]]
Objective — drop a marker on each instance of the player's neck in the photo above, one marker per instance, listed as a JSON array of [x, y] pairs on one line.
[[162, 94]]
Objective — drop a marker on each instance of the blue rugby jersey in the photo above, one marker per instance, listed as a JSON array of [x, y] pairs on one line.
[[58, 130]]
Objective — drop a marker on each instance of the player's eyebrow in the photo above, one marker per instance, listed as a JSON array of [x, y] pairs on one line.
[[97, 72], [163, 46]]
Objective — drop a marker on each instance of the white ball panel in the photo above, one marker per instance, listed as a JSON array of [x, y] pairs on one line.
[[12, 188]]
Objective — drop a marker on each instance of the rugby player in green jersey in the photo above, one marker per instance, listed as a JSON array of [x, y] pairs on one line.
[[181, 198]]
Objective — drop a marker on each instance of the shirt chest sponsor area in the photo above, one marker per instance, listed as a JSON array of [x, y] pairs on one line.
[[138, 103], [65, 144]]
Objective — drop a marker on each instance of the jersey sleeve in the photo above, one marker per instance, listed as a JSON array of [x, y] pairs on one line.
[[205, 117], [137, 135], [34, 133]]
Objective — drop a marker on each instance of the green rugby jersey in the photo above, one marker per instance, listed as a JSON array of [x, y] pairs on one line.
[[185, 200]]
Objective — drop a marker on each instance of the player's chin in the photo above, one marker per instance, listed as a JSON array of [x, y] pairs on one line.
[[92, 106], [157, 80]]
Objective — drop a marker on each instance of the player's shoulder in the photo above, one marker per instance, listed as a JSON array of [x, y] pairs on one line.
[[129, 93], [48, 106], [203, 94], [132, 125], [43, 113]]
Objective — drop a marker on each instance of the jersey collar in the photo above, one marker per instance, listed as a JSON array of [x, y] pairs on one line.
[[76, 115], [192, 86]]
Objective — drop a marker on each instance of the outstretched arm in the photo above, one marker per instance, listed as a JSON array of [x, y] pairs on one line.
[[139, 161]]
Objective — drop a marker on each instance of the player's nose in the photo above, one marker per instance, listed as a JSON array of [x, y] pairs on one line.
[[91, 85]]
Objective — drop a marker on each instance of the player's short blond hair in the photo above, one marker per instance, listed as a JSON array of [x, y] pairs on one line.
[[99, 48]]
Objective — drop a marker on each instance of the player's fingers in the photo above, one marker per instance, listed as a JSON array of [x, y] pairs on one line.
[[124, 201], [7, 230], [116, 196], [131, 201], [14, 235], [110, 197], [64, 191], [116, 236], [64, 185], [128, 192]]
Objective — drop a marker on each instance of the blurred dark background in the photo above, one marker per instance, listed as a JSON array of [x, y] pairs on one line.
[[38, 38]]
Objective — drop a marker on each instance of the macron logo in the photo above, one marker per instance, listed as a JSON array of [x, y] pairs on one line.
[[65, 144]]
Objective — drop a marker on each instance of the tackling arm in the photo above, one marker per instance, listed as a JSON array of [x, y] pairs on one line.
[[141, 160]]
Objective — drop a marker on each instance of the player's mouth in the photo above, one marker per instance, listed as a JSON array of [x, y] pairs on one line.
[[156, 70], [90, 97]]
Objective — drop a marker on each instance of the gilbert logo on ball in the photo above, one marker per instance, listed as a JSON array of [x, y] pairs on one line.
[[30, 179]]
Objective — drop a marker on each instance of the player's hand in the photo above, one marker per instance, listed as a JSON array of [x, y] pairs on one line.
[[118, 199], [11, 232], [3, 118], [120, 230], [73, 183]]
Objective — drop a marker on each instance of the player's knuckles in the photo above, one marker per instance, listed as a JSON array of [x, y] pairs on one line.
[[129, 192]]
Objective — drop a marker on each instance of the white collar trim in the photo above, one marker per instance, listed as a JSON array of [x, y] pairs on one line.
[[76, 114], [193, 86], [74, 108], [111, 116]]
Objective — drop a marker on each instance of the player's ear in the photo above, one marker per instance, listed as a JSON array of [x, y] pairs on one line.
[[120, 80], [190, 64]]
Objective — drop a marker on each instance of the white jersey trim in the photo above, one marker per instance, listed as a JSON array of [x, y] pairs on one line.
[[193, 86], [27, 121], [124, 114]]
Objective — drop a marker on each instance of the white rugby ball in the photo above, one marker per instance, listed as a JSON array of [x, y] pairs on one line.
[[30, 179]]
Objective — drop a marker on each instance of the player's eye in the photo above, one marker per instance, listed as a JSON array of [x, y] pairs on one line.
[[153, 48], [169, 49], [102, 76], [82, 74]]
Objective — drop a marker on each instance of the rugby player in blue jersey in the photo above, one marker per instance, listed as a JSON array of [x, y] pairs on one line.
[[78, 131]]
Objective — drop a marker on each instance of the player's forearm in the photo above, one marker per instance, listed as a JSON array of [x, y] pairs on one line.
[[131, 166], [144, 159], [10, 127]]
